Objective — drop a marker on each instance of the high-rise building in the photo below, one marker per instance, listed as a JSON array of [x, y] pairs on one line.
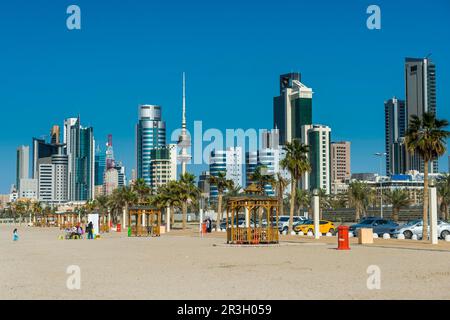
[[269, 160], [203, 184], [150, 134], [318, 138], [100, 166], [161, 166], [28, 189], [395, 128], [228, 161], [22, 164], [340, 165], [55, 135], [420, 78], [80, 151], [121, 174], [42, 150], [46, 180], [111, 181], [292, 108], [270, 139], [340, 161], [60, 161]]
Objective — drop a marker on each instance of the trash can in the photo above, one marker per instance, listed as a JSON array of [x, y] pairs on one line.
[[343, 243], [119, 227], [204, 228], [129, 231]]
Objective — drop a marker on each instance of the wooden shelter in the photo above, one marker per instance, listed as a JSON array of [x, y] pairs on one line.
[[264, 210], [144, 221], [67, 220]]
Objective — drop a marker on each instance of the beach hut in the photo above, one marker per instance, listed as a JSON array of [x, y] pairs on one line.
[[144, 221], [252, 218]]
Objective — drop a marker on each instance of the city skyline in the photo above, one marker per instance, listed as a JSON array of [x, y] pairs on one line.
[[236, 82]]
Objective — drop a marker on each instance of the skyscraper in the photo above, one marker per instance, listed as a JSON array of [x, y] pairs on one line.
[[150, 134], [41, 150], [22, 164], [420, 81], [395, 128], [228, 161], [55, 135], [60, 162], [292, 108], [81, 156], [100, 166], [161, 166], [340, 161], [318, 138]]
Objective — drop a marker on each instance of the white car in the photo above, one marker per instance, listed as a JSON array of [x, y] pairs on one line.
[[283, 222], [416, 227]]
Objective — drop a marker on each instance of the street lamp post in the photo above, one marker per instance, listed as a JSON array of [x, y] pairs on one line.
[[381, 155]]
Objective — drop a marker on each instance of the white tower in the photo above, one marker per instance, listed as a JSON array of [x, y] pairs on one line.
[[184, 141]]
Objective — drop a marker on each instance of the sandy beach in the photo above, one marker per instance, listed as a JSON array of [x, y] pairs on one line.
[[181, 265]]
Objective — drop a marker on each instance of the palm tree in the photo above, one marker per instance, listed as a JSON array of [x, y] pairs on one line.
[[142, 190], [303, 200], [101, 203], [280, 186], [123, 198], [398, 199], [222, 183], [187, 191], [296, 162], [168, 194], [443, 189], [37, 208], [261, 179], [358, 197], [426, 137], [231, 192]]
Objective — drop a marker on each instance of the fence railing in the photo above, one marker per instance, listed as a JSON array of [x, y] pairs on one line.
[[252, 235]]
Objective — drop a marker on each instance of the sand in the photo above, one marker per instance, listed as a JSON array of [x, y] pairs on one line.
[[184, 266]]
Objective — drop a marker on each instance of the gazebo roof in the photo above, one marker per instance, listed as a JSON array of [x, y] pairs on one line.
[[144, 207]]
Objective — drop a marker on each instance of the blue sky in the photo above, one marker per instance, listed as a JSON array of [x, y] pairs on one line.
[[133, 52]]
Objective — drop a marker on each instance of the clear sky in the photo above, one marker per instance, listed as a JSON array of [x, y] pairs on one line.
[[133, 52]]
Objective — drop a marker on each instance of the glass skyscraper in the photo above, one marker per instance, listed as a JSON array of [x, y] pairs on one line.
[[420, 77], [80, 150], [150, 134], [292, 108]]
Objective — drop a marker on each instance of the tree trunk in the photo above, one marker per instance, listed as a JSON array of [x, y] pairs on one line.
[[184, 208], [357, 213], [395, 214], [280, 201], [219, 212], [172, 216], [425, 202], [292, 208]]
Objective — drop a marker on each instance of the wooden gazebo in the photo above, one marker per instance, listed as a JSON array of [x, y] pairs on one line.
[[264, 210], [144, 221], [67, 220]]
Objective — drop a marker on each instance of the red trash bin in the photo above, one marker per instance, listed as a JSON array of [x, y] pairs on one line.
[[343, 242], [204, 228], [119, 227]]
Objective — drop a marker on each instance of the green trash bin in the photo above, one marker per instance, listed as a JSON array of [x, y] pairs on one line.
[[129, 231]]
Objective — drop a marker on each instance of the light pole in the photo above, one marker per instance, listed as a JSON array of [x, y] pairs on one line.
[[381, 155]]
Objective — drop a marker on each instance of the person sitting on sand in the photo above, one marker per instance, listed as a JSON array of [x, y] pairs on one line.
[[15, 235]]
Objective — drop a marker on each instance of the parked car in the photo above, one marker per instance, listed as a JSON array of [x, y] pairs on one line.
[[416, 228], [298, 224], [324, 227], [283, 222], [378, 225], [223, 224]]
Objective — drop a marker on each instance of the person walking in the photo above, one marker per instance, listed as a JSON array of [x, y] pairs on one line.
[[15, 235], [90, 230]]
